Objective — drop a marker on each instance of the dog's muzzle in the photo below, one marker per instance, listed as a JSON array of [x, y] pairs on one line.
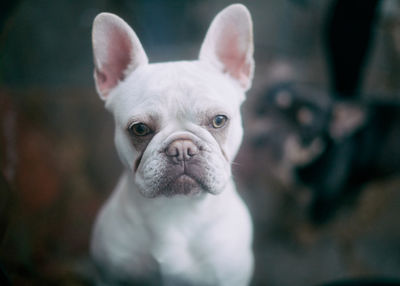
[[185, 168], [183, 165]]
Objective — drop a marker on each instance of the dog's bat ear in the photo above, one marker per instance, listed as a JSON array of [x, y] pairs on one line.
[[228, 44], [117, 52]]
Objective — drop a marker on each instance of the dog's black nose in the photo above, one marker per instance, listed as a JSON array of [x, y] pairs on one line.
[[182, 150]]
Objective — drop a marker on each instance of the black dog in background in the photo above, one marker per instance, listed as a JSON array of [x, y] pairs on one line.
[[359, 141], [342, 141], [367, 153]]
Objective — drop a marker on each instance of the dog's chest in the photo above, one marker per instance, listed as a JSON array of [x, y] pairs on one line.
[[179, 238], [180, 251], [191, 240]]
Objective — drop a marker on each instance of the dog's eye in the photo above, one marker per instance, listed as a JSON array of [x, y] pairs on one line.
[[139, 129], [219, 121]]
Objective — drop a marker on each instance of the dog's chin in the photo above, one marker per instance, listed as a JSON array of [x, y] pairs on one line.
[[182, 185]]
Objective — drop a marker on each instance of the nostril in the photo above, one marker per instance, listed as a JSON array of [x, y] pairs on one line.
[[172, 150], [192, 150]]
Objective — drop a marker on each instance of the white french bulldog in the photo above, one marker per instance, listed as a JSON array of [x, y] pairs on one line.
[[175, 217]]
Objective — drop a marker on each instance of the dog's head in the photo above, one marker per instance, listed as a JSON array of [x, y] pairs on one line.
[[178, 124]]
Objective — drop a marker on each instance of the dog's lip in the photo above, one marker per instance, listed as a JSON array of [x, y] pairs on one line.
[[185, 177], [184, 184]]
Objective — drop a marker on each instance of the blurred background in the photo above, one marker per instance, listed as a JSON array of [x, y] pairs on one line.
[[319, 166]]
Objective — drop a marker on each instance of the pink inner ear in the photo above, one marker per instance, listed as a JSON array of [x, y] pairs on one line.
[[231, 53], [119, 56]]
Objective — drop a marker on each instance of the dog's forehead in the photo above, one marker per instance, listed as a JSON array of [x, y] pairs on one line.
[[176, 86]]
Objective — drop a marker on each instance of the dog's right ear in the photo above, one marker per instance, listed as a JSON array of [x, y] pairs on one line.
[[117, 52]]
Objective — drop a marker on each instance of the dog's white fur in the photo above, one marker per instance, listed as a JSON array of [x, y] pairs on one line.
[[203, 237]]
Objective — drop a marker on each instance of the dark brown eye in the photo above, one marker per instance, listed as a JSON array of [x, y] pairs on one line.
[[139, 129], [219, 121]]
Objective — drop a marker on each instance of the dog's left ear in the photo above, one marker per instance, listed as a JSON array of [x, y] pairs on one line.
[[228, 44]]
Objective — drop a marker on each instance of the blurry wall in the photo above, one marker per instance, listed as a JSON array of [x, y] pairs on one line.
[[57, 156]]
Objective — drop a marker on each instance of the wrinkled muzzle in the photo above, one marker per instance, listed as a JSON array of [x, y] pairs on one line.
[[184, 165]]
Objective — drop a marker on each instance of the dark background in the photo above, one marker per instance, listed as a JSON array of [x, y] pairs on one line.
[[58, 161]]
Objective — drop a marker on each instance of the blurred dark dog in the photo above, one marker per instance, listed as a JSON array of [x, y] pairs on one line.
[[332, 146]]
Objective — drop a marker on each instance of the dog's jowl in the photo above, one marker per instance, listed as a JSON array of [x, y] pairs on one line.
[[175, 217]]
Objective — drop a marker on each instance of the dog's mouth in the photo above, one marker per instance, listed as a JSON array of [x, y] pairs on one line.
[[183, 184], [188, 179], [184, 179]]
